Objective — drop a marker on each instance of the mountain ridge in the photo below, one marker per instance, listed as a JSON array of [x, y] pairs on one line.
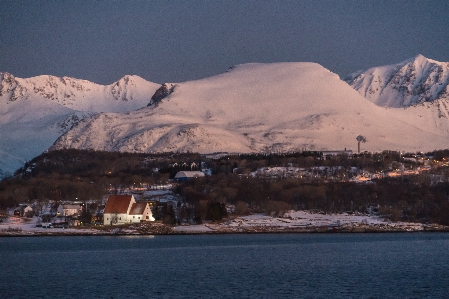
[[414, 81], [257, 108], [78, 94], [36, 111]]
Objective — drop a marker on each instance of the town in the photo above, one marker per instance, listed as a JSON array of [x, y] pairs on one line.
[[87, 189]]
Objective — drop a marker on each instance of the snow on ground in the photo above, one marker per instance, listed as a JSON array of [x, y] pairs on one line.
[[28, 225], [297, 221], [305, 219], [293, 221]]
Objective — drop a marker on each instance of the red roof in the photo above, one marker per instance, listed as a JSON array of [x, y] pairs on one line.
[[138, 208], [117, 204]]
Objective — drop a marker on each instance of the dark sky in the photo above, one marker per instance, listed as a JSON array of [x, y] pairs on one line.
[[176, 41]]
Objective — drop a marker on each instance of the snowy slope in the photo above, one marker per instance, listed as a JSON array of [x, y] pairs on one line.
[[257, 108], [414, 81], [129, 93], [34, 112]]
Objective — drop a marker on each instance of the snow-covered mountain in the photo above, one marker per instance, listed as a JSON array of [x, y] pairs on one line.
[[34, 112], [415, 81], [129, 93], [260, 108]]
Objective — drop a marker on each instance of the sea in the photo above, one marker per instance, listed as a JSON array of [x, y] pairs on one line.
[[374, 265]]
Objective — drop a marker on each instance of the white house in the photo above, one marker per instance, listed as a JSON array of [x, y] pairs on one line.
[[68, 210], [121, 209]]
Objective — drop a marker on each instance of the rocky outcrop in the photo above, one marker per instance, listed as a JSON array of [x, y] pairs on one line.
[[10, 87], [164, 91]]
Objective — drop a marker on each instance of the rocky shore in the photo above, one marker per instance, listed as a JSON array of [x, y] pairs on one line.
[[248, 225]]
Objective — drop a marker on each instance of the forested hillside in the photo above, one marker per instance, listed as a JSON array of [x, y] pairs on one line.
[[326, 186]]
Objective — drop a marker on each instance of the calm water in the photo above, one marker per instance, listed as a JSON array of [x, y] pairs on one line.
[[227, 266]]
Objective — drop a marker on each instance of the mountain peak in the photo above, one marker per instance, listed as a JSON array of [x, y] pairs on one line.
[[127, 78], [35, 111], [420, 57], [128, 93], [420, 60], [414, 81]]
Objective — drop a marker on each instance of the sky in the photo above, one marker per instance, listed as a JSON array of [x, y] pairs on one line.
[[177, 41]]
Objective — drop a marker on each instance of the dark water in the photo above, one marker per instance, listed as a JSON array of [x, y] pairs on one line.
[[227, 266]]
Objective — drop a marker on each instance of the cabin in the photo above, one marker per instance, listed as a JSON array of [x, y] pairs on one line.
[[188, 175], [122, 209]]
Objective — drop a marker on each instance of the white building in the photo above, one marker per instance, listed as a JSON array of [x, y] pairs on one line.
[[140, 212], [121, 209], [68, 210]]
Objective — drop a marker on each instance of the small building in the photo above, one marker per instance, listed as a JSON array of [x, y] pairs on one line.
[[121, 209], [117, 208], [68, 210], [188, 175], [27, 209], [23, 210], [139, 212]]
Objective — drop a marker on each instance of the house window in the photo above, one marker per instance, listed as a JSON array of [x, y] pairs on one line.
[[148, 217], [138, 217], [134, 217], [120, 218], [107, 218]]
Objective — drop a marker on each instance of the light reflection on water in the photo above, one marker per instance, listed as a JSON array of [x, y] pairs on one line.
[[227, 266]]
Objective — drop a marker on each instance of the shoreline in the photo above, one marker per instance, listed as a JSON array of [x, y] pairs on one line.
[[167, 230], [293, 222]]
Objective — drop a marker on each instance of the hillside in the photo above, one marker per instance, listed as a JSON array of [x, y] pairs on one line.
[[36, 111], [266, 184], [260, 108]]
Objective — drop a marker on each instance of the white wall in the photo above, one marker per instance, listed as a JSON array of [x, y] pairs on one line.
[[115, 219]]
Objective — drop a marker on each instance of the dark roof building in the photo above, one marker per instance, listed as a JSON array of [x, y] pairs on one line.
[[118, 204]]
